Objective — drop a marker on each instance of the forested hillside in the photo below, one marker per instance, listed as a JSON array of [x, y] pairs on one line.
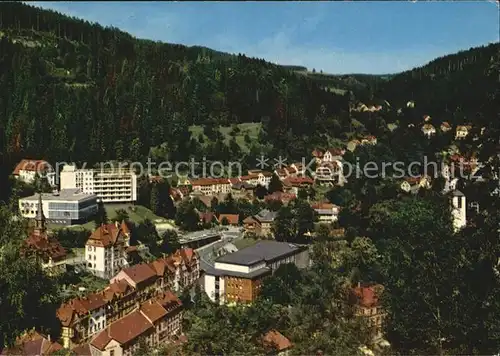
[[452, 88], [74, 90]]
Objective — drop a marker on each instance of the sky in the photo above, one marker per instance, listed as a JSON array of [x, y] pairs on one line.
[[336, 37]]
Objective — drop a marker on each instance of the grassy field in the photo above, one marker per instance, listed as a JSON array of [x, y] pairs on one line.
[[251, 128]]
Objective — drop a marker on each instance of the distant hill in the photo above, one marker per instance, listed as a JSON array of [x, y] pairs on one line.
[[71, 89], [453, 87]]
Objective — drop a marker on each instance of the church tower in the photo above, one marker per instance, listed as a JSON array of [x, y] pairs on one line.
[[40, 227], [459, 209]]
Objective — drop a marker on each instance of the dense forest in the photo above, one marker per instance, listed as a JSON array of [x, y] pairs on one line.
[[75, 90], [453, 88]]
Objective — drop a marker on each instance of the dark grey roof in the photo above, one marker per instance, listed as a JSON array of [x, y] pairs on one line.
[[71, 194], [243, 185], [222, 272], [266, 215], [457, 193], [261, 251]]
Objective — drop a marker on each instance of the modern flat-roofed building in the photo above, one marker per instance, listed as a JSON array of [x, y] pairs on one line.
[[65, 207], [237, 277], [113, 185]]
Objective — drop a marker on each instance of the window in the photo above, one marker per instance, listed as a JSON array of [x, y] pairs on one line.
[[94, 248], [112, 353], [459, 202], [89, 248]]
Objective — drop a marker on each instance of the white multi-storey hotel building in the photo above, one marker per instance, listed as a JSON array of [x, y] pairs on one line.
[[115, 185]]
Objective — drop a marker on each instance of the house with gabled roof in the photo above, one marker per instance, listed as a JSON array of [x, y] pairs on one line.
[[105, 249], [156, 321], [261, 223], [82, 318], [43, 246], [294, 184], [32, 343], [428, 130], [275, 341], [232, 219], [27, 169], [326, 212], [445, 126], [366, 299], [462, 131]]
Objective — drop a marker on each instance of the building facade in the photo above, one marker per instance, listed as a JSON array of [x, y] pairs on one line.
[[367, 305], [28, 169], [326, 212], [237, 277], [261, 223], [83, 318], [105, 250], [458, 209], [65, 207], [118, 185], [155, 321], [211, 186], [44, 247]]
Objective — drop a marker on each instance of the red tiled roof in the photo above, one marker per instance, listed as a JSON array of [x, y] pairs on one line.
[[234, 180], [159, 266], [46, 246], [323, 206], [169, 301], [298, 181], [117, 288], [277, 340], [233, 219], [249, 177], [106, 235], [187, 254], [153, 310], [366, 296], [280, 196], [82, 350], [32, 343], [336, 151], [317, 153], [123, 330], [140, 273], [446, 124], [206, 217], [33, 165], [209, 181]]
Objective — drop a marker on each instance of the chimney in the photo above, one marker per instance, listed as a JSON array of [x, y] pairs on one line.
[[359, 284], [48, 337], [116, 223]]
